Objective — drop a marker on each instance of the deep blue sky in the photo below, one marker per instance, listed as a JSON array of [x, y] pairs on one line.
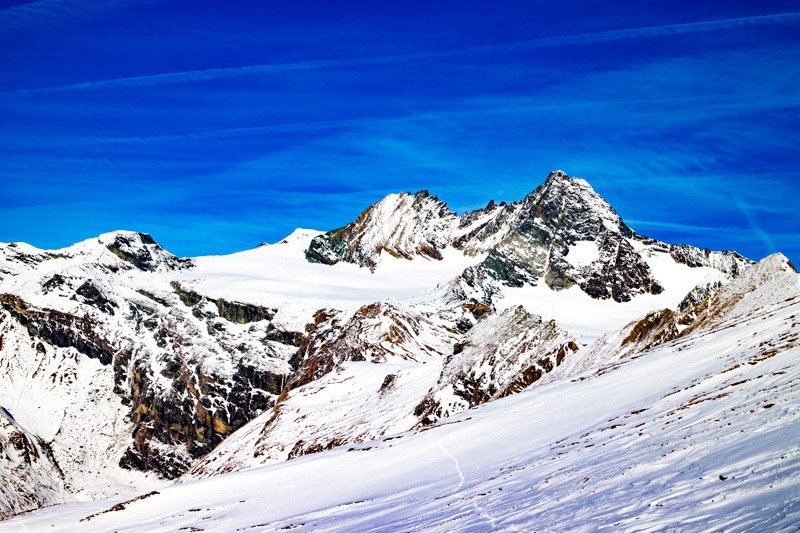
[[217, 128]]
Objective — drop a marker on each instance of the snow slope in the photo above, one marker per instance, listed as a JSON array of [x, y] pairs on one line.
[[278, 275], [699, 433], [588, 318], [350, 405]]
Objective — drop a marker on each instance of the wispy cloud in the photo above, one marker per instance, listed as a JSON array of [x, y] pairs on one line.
[[472, 109], [663, 131], [754, 224], [732, 235], [51, 8], [58, 11], [691, 229], [657, 31]]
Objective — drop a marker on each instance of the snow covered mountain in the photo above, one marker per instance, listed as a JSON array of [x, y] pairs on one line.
[[105, 363], [123, 367], [402, 225], [563, 232], [697, 433]]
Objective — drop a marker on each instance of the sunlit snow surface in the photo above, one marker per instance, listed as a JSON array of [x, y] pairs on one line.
[[588, 318], [700, 433], [583, 253], [278, 275]]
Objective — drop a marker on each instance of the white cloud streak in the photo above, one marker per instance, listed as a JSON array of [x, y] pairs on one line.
[[57, 11], [754, 224], [187, 76]]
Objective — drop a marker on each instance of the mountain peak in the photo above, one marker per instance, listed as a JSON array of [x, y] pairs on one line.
[[571, 207], [111, 236], [402, 225], [557, 175], [526, 241], [772, 266], [141, 251], [535, 243], [778, 262]]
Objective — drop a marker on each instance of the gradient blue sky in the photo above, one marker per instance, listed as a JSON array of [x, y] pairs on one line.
[[217, 128]]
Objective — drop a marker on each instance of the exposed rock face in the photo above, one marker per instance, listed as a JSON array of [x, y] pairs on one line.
[[141, 251], [725, 302], [621, 273], [243, 313], [704, 307], [538, 238], [656, 328], [192, 404], [501, 355], [708, 307], [95, 297], [238, 312], [481, 230], [186, 370], [59, 329], [30, 477], [527, 242], [192, 423], [403, 225], [731, 263], [376, 333], [359, 375]]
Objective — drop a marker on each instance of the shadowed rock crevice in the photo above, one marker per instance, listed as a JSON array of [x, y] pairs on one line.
[[237, 312], [60, 329]]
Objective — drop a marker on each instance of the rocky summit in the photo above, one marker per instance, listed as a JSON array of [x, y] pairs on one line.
[[531, 334], [527, 241]]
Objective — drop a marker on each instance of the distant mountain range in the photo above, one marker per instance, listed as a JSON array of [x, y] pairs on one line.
[[124, 368]]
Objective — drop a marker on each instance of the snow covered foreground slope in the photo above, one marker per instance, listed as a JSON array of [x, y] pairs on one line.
[[697, 433]]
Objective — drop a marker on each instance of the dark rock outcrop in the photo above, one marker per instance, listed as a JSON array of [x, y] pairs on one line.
[[238, 312], [537, 239], [144, 253], [242, 313], [730, 263], [194, 415], [375, 333], [621, 274], [60, 329], [94, 297]]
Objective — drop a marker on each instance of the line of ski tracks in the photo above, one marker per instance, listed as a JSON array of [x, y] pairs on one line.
[[461, 479]]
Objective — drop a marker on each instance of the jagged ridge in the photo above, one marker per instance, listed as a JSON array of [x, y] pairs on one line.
[[526, 241]]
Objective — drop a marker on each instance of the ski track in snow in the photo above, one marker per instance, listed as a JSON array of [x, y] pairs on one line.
[[455, 463], [461, 479]]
